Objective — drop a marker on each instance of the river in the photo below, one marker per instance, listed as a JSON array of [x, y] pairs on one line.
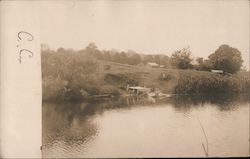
[[148, 127]]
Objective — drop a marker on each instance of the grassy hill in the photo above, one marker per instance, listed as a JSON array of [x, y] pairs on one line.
[[74, 78], [178, 81]]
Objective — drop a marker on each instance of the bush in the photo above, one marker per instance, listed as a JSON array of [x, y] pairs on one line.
[[197, 82], [53, 88]]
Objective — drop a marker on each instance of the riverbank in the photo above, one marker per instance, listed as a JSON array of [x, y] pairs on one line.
[[109, 79]]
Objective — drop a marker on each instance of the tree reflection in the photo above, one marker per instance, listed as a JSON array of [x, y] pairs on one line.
[[65, 123], [72, 124], [223, 102]]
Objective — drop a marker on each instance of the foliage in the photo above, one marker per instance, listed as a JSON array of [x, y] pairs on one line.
[[135, 59], [226, 58], [181, 59], [53, 88], [203, 65], [73, 75], [196, 82], [67, 74]]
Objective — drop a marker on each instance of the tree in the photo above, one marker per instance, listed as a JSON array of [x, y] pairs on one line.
[[181, 59], [200, 61], [93, 51], [157, 59], [61, 50], [123, 57], [166, 61], [135, 59], [147, 58], [117, 57], [226, 58], [202, 65], [91, 46]]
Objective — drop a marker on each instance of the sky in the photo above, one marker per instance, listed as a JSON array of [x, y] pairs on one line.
[[149, 27]]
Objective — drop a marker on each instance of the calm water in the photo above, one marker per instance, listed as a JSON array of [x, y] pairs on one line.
[[145, 127]]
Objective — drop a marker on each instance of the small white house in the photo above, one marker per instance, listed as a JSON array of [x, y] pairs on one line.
[[153, 64], [217, 71]]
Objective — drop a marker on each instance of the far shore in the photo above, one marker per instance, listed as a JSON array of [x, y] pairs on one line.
[[113, 83], [88, 79]]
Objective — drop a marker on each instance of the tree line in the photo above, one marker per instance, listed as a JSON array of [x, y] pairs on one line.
[[225, 58]]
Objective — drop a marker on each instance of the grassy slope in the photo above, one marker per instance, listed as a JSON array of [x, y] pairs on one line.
[[113, 81], [179, 81]]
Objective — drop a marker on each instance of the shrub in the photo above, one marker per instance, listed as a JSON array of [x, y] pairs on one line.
[[196, 82], [53, 88]]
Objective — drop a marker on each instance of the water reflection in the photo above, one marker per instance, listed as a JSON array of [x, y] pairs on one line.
[[223, 102], [70, 129]]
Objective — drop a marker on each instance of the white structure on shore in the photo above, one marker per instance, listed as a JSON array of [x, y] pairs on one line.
[[153, 64], [217, 71]]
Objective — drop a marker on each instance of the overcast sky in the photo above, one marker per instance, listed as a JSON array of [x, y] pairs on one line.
[[151, 27]]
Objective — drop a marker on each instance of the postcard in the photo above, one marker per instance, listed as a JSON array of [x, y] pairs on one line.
[[124, 79]]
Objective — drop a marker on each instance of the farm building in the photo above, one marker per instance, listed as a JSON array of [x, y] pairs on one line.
[[153, 64], [217, 71]]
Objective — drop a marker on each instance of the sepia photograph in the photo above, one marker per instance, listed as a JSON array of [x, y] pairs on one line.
[[145, 78]]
